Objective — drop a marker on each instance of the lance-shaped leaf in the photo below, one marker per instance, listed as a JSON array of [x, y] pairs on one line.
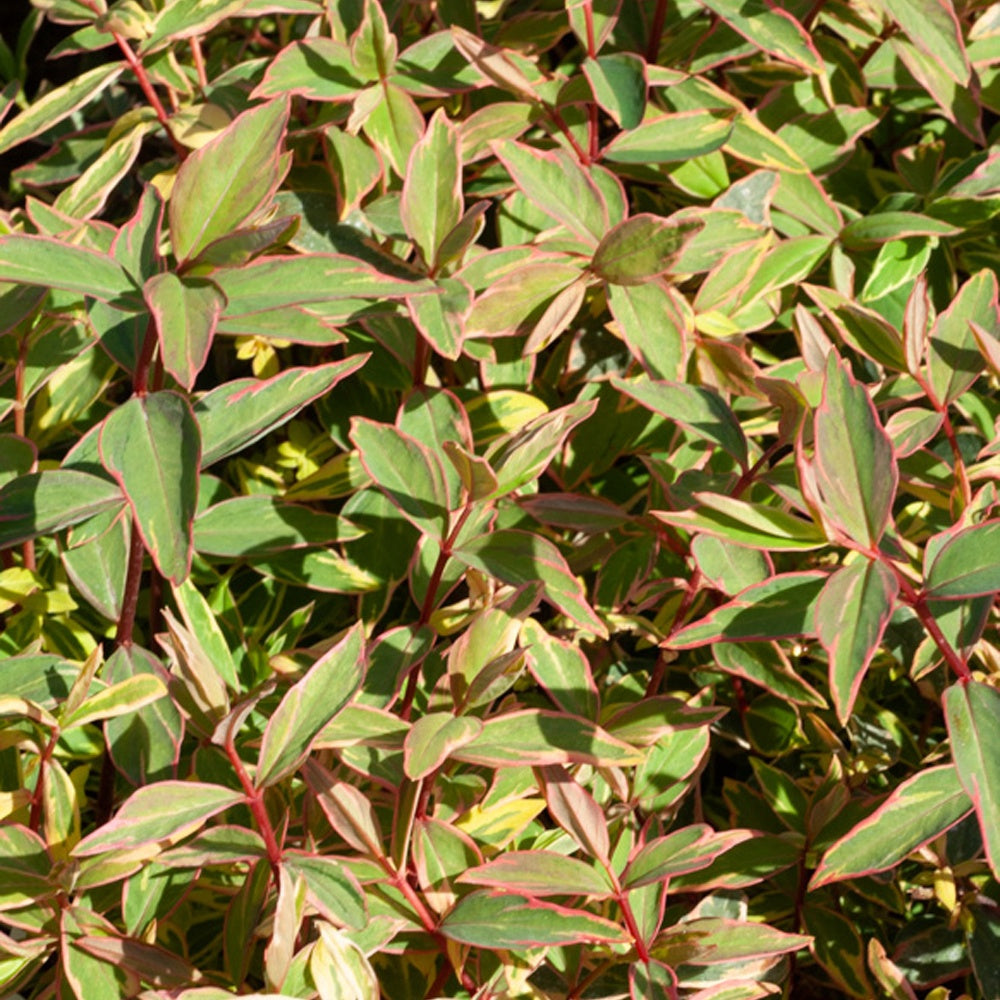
[[331, 887], [716, 940], [855, 467], [52, 263], [575, 810], [882, 227], [779, 608], [756, 525], [319, 69], [656, 322], [538, 737], [851, 616], [162, 813], [971, 711], [967, 564], [519, 557], [432, 203], [554, 181], [671, 138], [408, 472], [687, 850], [347, 809], [58, 104], [765, 664], [229, 179], [697, 408], [123, 698], [618, 81], [239, 413], [151, 445], [934, 28], [186, 311], [41, 503], [507, 920], [920, 809], [641, 248], [953, 358], [309, 705], [431, 740], [541, 873], [441, 318], [187, 20], [771, 29]]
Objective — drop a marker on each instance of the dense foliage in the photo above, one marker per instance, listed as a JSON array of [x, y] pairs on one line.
[[498, 498]]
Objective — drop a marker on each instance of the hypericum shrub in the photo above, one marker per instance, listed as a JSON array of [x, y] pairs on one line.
[[498, 499]]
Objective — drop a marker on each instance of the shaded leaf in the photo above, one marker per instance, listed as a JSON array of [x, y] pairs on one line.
[[618, 81], [671, 138], [966, 565], [431, 740], [641, 248], [541, 873]]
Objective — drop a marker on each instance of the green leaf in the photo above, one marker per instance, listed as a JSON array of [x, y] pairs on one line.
[[408, 472], [308, 706], [42, 503], [331, 886], [851, 616], [883, 227], [164, 813], [508, 920], [641, 248], [538, 737], [756, 525], [935, 29], [971, 710], [686, 850], [432, 203], [717, 940], [441, 318], [41, 260], [151, 445], [697, 408], [554, 181], [618, 81], [967, 564], [261, 525], [855, 467], [671, 138], [395, 126], [562, 669], [772, 29], [656, 322], [782, 607], [58, 104], [431, 740], [540, 873], [188, 20], [229, 179], [204, 626], [123, 698], [186, 311], [237, 414], [519, 557], [920, 809], [838, 947], [953, 358], [765, 664], [319, 69]]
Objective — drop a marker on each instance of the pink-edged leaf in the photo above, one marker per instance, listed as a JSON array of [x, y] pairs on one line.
[[779, 608], [347, 810], [394, 125], [507, 69], [954, 361], [237, 414], [575, 810], [911, 428], [971, 711], [218, 845], [642, 248], [920, 809], [772, 29], [152, 446], [511, 921], [933, 26], [477, 476], [229, 179], [519, 557], [766, 664], [557, 316], [176, 21], [319, 69], [656, 322], [562, 669], [432, 203], [539, 737], [332, 888], [156, 966], [407, 471], [308, 706], [619, 83], [687, 850], [890, 978], [186, 312], [988, 344], [699, 409], [966, 565], [671, 138], [855, 467], [838, 947], [159, 814], [652, 980], [554, 181], [541, 873], [851, 616], [441, 318], [718, 940], [431, 740]]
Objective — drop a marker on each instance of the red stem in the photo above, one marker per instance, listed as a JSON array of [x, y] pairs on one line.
[[20, 406], [656, 31], [35, 816], [633, 928], [560, 123], [255, 800]]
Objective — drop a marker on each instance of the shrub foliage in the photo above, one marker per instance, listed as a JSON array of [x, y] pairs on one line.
[[498, 499]]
